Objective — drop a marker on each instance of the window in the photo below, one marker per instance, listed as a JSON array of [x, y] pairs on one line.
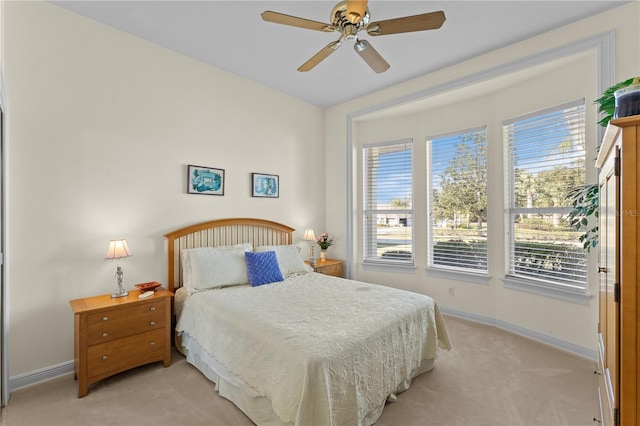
[[387, 202], [545, 154], [457, 197]]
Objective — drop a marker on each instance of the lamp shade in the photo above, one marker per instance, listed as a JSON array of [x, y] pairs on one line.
[[309, 235], [118, 249]]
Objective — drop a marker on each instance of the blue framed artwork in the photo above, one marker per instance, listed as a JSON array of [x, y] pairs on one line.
[[205, 180], [265, 185]]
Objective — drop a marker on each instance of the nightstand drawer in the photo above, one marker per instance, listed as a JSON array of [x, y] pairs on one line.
[[336, 270], [117, 323], [332, 267], [123, 353]]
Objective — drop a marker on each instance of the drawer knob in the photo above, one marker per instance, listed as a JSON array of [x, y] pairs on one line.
[[105, 334], [152, 323], [153, 308], [105, 318], [104, 357], [153, 343]]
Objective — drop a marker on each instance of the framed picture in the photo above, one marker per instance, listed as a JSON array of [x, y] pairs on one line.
[[205, 180], [265, 185]]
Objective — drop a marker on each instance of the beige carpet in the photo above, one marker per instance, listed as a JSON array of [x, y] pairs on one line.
[[490, 377]]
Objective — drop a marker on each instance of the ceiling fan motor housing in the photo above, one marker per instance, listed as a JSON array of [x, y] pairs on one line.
[[341, 22]]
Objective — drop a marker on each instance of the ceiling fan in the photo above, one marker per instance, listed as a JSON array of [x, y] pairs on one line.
[[348, 18]]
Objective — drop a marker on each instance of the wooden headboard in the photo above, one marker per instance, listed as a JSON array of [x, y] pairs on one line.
[[222, 232]]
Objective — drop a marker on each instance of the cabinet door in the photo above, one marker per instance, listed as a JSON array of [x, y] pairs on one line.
[[609, 341]]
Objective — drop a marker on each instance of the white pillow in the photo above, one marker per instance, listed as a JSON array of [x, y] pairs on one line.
[[289, 259], [211, 267]]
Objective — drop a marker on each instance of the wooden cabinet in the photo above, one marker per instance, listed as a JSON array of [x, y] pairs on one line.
[[619, 249], [329, 267], [116, 334]]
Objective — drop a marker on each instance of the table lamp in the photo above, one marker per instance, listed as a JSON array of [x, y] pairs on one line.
[[118, 249], [309, 235]]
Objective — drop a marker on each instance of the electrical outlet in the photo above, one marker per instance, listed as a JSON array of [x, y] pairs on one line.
[[451, 291]]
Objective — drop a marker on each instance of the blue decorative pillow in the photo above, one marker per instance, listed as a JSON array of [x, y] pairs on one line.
[[262, 267]]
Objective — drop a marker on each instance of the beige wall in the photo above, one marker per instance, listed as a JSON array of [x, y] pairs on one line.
[[545, 86], [102, 127]]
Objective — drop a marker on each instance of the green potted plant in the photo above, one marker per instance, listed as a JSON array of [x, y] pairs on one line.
[[585, 203], [585, 199], [607, 102]]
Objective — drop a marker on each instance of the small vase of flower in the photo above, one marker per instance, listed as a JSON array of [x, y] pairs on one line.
[[324, 241]]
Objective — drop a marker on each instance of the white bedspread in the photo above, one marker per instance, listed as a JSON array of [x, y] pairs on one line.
[[324, 350]]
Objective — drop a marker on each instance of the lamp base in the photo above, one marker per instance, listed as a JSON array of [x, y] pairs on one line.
[[119, 293]]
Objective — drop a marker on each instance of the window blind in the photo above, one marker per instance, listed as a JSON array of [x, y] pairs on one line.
[[545, 153], [457, 194], [387, 202]]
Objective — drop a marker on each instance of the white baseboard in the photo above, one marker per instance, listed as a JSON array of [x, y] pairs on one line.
[[534, 335], [38, 376], [48, 373]]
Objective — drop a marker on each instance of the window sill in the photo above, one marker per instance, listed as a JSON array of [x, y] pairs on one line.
[[389, 267], [479, 278], [581, 298]]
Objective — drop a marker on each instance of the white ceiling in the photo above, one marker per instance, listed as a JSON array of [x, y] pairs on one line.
[[231, 35]]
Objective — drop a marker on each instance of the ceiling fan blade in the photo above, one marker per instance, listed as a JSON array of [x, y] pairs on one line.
[[407, 24], [320, 56], [294, 21], [371, 56], [356, 10]]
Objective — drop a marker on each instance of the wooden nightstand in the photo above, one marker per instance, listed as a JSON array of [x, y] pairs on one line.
[[116, 334], [329, 267]]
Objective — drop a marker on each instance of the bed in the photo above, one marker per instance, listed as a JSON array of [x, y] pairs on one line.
[[286, 345]]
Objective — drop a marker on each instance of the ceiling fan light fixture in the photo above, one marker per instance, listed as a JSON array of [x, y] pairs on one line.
[[349, 32]]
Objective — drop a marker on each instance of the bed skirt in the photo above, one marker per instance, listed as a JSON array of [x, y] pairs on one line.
[[258, 407]]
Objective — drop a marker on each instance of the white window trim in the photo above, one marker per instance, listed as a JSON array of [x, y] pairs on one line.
[[381, 266], [461, 275], [542, 289]]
